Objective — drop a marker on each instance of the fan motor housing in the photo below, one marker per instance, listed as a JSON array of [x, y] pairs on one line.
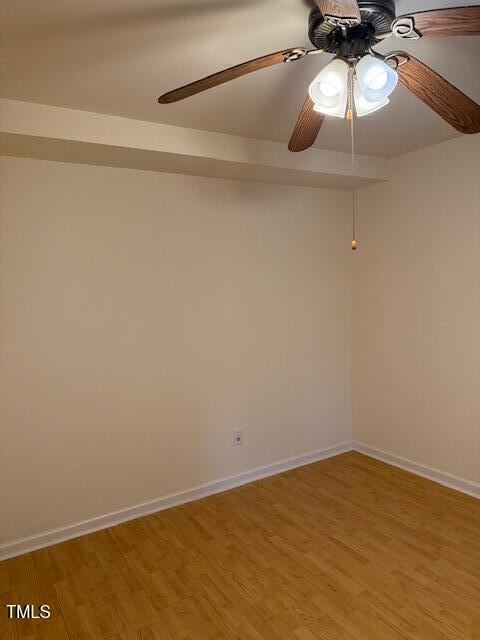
[[377, 17]]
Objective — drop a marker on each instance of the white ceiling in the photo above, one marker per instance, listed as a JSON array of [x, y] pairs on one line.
[[117, 56]]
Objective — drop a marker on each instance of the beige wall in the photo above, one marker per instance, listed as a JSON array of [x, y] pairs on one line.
[[144, 317], [416, 310]]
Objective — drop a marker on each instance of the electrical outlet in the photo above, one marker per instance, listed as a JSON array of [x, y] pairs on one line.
[[237, 437]]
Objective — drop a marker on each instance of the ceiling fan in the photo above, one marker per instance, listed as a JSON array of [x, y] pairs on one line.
[[359, 79]]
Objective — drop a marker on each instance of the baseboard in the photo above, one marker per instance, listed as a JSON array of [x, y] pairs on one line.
[[453, 482], [54, 536]]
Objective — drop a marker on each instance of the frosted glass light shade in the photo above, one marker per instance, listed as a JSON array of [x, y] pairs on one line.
[[338, 112], [376, 79], [362, 106], [329, 89]]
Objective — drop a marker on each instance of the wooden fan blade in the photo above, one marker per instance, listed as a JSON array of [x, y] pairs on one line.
[[450, 103], [231, 73], [306, 130], [455, 21], [340, 12]]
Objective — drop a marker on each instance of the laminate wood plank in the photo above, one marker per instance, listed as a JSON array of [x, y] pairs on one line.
[[345, 549]]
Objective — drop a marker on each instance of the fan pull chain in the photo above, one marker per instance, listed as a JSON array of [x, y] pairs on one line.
[[354, 241], [350, 116], [350, 95]]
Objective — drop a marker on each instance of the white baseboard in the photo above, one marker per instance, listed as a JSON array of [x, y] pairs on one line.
[[54, 536], [454, 482]]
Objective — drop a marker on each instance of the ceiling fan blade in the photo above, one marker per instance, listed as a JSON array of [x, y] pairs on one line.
[[230, 74], [460, 111], [455, 21], [340, 12], [306, 130]]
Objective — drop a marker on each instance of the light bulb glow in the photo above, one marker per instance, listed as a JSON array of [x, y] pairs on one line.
[[363, 107], [375, 78], [329, 89], [378, 81]]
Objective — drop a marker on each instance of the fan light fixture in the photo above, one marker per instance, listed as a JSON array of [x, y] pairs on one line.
[[375, 78], [363, 106], [329, 89], [373, 83]]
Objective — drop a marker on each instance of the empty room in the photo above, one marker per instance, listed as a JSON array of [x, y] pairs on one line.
[[239, 320]]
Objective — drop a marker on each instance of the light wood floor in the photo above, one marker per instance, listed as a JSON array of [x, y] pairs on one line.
[[344, 549]]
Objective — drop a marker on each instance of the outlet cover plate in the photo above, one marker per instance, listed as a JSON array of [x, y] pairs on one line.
[[237, 437]]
